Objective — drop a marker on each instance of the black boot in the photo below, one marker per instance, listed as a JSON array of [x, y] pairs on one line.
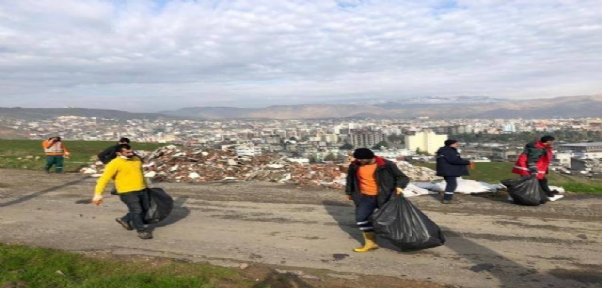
[[145, 235]]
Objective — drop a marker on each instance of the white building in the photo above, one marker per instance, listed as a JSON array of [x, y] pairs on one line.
[[248, 151], [589, 150], [564, 159], [425, 141], [330, 138], [510, 128], [393, 154]]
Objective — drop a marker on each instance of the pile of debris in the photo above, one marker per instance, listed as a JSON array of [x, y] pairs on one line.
[[418, 173], [186, 164]]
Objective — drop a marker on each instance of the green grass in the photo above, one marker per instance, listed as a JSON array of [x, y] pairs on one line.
[[494, 172], [21, 154], [22, 266]]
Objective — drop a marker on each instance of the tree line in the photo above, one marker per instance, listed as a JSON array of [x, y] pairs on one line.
[[569, 136]]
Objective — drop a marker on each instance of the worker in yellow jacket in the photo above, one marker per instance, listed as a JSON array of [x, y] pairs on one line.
[[126, 171], [55, 153]]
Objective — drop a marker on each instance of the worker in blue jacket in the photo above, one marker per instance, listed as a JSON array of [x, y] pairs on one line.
[[450, 166]]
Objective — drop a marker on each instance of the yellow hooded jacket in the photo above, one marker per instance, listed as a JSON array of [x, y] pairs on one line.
[[127, 174]]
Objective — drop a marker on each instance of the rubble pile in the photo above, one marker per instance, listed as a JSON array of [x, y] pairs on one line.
[[186, 164], [418, 173]]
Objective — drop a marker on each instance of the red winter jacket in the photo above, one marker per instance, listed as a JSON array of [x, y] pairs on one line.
[[535, 157]]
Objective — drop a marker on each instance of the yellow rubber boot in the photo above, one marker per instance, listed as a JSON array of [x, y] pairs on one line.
[[370, 240]]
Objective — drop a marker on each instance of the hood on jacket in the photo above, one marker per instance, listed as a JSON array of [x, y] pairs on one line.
[[379, 161], [538, 145], [446, 148]]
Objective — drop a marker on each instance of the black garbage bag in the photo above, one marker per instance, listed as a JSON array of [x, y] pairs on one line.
[[526, 191], [406, 226], [158, 206]]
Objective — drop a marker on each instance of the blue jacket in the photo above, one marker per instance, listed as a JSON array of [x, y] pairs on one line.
[[450, 164]]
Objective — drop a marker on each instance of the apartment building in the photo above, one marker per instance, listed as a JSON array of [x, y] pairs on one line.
[[425, 141]]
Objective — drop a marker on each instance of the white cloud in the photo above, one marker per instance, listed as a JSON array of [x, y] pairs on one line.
[[171, 54]]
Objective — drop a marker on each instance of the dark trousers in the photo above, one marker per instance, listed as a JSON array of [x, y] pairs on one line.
[[363, 211], [451, 184], [134, 201], [544, 186], [55, 160]]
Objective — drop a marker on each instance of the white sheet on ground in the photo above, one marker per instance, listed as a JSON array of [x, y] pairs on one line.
[[426, 185], [414, 190], [464, 186], [410, 191]]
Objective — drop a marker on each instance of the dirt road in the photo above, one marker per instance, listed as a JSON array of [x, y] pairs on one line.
[[490, 243]]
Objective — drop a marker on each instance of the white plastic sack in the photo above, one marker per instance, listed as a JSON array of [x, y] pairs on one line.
[[275, 166], [89, 171], [414, 190], [558, 188], [341, 181]]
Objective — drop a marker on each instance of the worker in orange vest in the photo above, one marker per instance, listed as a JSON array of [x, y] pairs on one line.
[[55, 153]]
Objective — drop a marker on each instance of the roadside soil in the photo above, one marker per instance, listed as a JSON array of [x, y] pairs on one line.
[[302, 237]]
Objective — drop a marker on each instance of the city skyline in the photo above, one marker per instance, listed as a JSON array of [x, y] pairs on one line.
[[148, 56]]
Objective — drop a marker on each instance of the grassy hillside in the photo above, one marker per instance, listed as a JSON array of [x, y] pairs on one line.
[[494, 172], [29, 154], [40, 267]]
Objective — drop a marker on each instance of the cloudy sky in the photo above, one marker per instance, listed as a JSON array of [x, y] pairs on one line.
[[158, 55]]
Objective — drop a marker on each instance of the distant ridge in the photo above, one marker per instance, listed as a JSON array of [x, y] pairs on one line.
[[433, 107], [45, 113]]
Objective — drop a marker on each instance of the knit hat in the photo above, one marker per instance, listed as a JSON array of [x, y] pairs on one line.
[[363, 153], [450, 142], [547, 138]]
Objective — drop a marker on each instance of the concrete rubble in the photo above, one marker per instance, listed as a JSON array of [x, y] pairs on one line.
[[193, 165]]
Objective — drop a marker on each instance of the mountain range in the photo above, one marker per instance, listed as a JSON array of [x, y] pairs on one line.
[[45, 113], [433, 107]]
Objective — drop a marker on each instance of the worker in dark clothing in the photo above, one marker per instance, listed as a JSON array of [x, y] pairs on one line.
[[111, 152], [450, 166], [371, 182]]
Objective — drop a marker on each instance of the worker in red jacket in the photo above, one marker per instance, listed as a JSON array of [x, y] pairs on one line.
[[535, 160]]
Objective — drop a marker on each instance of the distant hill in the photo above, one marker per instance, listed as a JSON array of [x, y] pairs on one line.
[[45, 113], [211, 112], [309, 111], [576, 106], [434, 107], [435, 100]]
